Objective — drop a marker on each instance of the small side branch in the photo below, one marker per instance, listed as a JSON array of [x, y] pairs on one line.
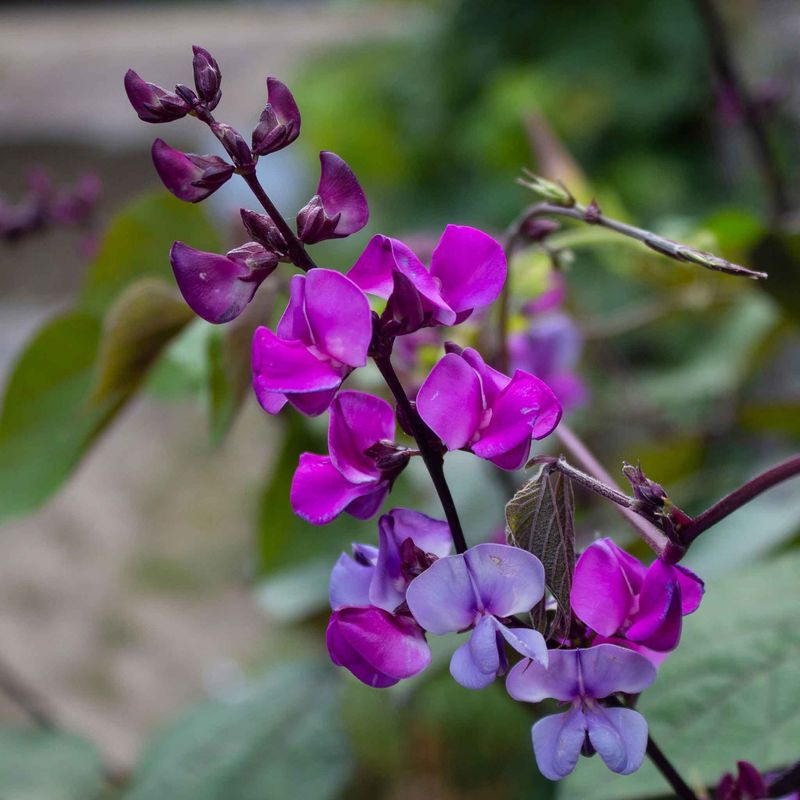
[[739, 497]]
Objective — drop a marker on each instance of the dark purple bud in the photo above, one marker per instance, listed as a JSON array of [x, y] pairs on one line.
[[207, 77], [216, 287], [413, 560], [279, 124], [233, 143], [452, 347], [188, 176], [751, 784], [151, 102], [186, 94], [592, 213], [339, 207], [264, 230], [647, 492], [537, 229], [405, 305]]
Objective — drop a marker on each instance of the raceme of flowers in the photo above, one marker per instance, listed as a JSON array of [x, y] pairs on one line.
[[386, 600]]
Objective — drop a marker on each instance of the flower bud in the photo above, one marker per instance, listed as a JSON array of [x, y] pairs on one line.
[[234, 144], [547, 190], [537, 229], [216, 287], [339, 207], [264, 230], [151, 102], [279, 124], [750, 781], [649, 493], [188, 176], [207, 77]]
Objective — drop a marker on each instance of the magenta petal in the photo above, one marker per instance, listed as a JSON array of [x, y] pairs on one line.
[[532, 682], [284, 106], [391, 645], [657, 622], [319, 491], [471, 266], [619, 735], [607, 668], [557, 742], [492, 380], [442, 599], [271, 402], [692, 589], [287, 366], [525, 409], [189, 177], [343, 654], [215, 287], [312, 404], [369, 504], [293, 323], [341, 195], [510, 460], [601, 595], [339, 316], [508, 580], [373, 272], [349, 583], [358, 421], [449, 401]]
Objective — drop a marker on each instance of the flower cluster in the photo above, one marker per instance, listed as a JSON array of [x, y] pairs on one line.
[[45, 206], [385, 600]]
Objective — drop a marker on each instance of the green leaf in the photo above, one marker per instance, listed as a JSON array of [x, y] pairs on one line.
[[143, 319], [137, 245], [296, 593], [278, 739], [46, 422], [539, 519], [728, 692], [48, 765]]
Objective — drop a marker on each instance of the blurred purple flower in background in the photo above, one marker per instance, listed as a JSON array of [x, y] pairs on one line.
[[580, 678]]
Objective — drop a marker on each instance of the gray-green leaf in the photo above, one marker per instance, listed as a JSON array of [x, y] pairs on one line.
[[539, 519]]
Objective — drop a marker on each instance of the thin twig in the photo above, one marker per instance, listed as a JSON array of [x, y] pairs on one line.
[[739, 497], [730, 78], [646, 530], [667, 247], [433, 460]]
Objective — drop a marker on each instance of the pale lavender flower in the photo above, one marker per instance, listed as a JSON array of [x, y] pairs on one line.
[[480, 590], [581, 678]]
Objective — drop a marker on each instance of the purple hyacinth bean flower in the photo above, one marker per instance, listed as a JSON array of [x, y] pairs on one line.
[[617, 596], [151, 102], [365, 635], [347, 479], [279, 124], [580, 678], [188, 176], [207, 77], [338, 209], [216, 287], [479, 589], [379, 648], [550, 348], [467, 271], [409, 542], [468, 404], [322, 336]]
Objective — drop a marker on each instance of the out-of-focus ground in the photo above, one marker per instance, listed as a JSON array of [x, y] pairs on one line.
[[127, 596]]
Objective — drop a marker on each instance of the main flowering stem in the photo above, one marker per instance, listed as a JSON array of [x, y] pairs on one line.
[[433, 459]]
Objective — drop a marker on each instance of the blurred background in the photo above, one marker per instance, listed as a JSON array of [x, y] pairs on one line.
[[150, 568]]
